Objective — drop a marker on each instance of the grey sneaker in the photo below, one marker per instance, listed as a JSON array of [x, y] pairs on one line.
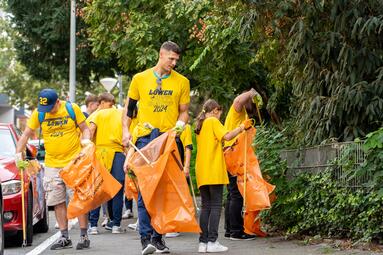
[[62, 243], [147, 246], [84, 243]]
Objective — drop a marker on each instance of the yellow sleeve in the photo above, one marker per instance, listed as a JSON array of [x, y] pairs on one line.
[[185, 94], [80, 117], [218, 129], [186, 136], [133, 92], [33, 122]]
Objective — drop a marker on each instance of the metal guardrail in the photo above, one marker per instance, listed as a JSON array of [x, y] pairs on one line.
[[341, 158]]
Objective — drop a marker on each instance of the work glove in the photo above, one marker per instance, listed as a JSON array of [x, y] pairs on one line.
[[179, 128], [257, 99]]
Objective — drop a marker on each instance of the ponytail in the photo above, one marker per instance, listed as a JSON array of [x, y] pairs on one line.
[[201, 117], [208, 106]]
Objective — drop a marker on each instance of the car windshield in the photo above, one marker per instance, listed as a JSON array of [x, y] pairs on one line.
[[7, 144]]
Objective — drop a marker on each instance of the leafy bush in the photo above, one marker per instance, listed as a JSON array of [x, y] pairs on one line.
[[316, 204]]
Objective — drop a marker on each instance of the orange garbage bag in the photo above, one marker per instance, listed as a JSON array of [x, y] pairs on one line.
[[258, 190], [91, 182], [131, 191], [163, 186], [252, 224]]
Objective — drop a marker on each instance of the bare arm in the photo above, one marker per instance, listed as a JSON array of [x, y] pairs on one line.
[[188, 153], [92, 130], [233, 133], [84, 130], [241, 100], [20, 147], [183, 112]]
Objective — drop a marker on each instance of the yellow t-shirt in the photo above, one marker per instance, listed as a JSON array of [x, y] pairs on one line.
[[210, 162], [109, 128], [232, 121], [159, 108], [108, 138], [60, 134], [186, 136]]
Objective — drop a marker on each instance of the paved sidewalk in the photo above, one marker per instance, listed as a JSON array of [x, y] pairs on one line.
[[129, 243]]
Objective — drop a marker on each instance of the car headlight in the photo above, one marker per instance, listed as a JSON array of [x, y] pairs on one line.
[[11, 187]]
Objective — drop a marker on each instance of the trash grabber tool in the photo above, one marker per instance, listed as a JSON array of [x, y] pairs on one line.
[[142, 154], [23, 208], [191, 183], [245, 176]]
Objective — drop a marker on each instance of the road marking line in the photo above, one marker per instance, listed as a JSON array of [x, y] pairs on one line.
[[39, 249]]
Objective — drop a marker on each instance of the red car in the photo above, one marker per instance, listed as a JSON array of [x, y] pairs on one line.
[[35, 205]]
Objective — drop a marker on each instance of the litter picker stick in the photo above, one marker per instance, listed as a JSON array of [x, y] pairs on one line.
[[23, 208], [140, 152], [245, 174], [191, 183]]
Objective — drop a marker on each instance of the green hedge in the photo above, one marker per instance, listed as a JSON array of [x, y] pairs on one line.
[[315, 204]]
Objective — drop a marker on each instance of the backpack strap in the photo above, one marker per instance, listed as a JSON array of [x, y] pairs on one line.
[[70, 110], [41, 116]]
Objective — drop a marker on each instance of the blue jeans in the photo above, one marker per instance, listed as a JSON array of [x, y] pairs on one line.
[[128, 204], [146, 230], [116, 203], [94, 215]]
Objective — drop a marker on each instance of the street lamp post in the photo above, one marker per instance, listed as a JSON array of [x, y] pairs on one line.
[[109, 83], [72, 57]]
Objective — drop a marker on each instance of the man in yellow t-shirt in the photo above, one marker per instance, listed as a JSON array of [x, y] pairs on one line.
[[106, 128], [58, 121], [163, 95], [238, 112]]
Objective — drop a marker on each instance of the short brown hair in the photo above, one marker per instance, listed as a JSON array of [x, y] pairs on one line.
[[90, 99], [106, 97], [171, 46]]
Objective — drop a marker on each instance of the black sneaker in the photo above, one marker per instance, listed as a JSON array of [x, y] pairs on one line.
[[147, 246], [245, 237], [227, 235], [109, 226], [62, 243], [159, 243], [84, 243]]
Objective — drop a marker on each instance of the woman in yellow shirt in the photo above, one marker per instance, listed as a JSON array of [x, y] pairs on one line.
[[211, 172]]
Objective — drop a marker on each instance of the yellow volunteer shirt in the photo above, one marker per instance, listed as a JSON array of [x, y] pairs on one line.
[[108, 138], [159, 107], [109, 128], [210, 163], [60, 134], [232, 121], [186, 136]]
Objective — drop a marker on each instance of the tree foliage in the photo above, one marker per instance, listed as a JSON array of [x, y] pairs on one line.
[[42, 42]]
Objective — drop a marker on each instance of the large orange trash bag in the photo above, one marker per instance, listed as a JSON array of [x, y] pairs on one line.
[[91, 182], [131, 191], [258, 190], [163, 186]]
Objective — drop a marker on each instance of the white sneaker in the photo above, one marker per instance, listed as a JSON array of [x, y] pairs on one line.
[[103, 224], [132, 226], [172, 234], [57, 225], [93, 231], [128, 214], [202, 247], [116, 230], [215, 247]]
